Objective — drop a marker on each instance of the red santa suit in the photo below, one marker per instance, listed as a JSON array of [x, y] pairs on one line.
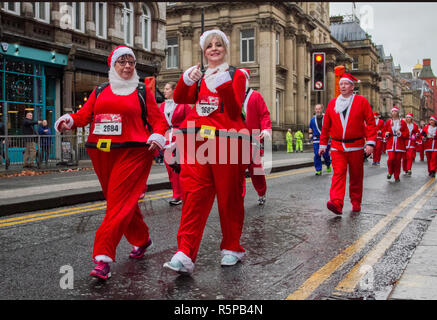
[[410, 146], [350, 124], [395, 145], [175, 114], [118, 148], [257, 121], [430, 146], [419, 145], [209, 167], [379, 139]]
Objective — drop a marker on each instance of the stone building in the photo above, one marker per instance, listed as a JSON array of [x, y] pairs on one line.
[[54, 53], [274, 40], [427, 75], [359, 46]]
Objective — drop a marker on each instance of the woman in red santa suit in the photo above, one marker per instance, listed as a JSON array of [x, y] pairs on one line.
[[175, 114], [208, 169], [396, 133], [419, 141], [410, 144], [350, 123], [430, 145], [379, 139], [121, 150]]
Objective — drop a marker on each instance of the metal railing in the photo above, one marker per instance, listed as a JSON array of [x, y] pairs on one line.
[[42, 150]]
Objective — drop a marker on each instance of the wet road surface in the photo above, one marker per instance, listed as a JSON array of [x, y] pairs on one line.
[[296, 248]]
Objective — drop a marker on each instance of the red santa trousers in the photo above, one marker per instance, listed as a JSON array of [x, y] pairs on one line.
[[122, 174], [175, 182], [340, 163], [394, 163], [200, 184], [407, 159], [421, 150], [258, 180], [377, 150], [431, 159]]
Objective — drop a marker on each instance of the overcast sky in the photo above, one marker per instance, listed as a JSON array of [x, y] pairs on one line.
[[407, 30]]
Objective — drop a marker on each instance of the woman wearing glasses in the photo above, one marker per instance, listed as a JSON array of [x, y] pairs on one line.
[[121, 150]]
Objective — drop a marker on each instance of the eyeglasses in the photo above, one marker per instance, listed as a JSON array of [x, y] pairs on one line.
[[123, 62]]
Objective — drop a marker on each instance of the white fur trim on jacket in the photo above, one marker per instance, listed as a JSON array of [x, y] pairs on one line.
[[222, 78], [371, 143], [185, 260], [187, 78], [158, 138], [267, 133], [67, 119]]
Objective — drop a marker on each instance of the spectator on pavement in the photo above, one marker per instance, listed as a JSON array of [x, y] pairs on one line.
[[45, 141], [289, 139], [299, 140], [30, 145]]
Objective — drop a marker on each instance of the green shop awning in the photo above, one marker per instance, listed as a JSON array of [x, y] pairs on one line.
[[19, 51]]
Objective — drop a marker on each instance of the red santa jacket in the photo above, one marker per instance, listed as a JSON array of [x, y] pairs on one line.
[[180, 112], [429, 139], [395, 142], [379, 128], [257, 113], [120, 109], [226, 102], [413, 130], [349, 133]]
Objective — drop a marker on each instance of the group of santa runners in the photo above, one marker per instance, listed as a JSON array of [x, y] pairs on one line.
[[128, 128]]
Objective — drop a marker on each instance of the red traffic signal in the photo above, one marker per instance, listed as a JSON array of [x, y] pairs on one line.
[[318, 68], [319, 58]]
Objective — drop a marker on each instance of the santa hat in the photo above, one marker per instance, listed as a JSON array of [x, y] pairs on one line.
[[433, 118], [395, 109], [348, 77], [215, 31], [409, 115], [246, 73], [376, 114], [117, 53]]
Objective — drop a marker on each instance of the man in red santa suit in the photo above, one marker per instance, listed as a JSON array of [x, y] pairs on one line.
[[175, 114], [396, 133], [121, 150], [379, 143], [350, 123], [410, 144], [211, 143], [430, 145], [258, 122]]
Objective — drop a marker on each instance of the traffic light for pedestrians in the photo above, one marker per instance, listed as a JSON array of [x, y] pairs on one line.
[[318, 82]]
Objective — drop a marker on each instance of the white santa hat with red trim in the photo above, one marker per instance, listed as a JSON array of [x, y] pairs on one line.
[[117, 53], [214, 31], [348, 77]]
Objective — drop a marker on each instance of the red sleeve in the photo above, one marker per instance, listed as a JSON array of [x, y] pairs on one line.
[[155, 117], [405, 133], [85, 115], [264, 114], [370, 122], [232, 94], [187, 110], [183, 94]]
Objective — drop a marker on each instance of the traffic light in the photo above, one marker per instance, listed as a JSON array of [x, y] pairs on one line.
[[318, 82]]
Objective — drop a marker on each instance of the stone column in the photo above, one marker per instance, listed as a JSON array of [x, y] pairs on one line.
[[289, 107], [186, 53], [301, 63]]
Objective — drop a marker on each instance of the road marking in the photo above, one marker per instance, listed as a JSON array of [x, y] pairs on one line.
[[102, 205], [349, 283], [320, 276]]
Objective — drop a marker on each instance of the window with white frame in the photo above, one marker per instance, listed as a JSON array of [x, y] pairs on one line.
[[100, 19], [146, 25], [172, 53], [127, 23], [77, 15], [42, 11], [12, 7], [247, 45], [277, 47], [355, 64]]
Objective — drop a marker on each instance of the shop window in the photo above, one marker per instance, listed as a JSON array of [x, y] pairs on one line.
[[100, 11], [247, 45], [146, 27], [127, 23], [41, 11], [172, 53]]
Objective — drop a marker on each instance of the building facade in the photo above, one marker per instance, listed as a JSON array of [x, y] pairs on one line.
[[274, 40], [427, 75], [54, 53]]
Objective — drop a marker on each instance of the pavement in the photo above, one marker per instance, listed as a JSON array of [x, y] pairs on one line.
[[65, 186]]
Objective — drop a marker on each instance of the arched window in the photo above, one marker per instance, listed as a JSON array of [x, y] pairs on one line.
[[127, 23], [146, 24]]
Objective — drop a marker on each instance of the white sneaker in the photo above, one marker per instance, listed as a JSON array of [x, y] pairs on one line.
[[176, 264], [229, 260]]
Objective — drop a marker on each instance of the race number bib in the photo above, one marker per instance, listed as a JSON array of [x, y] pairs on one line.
[[207, 105], [107, 124]]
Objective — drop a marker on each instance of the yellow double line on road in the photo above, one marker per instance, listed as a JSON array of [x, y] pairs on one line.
[[324, 273], [102, 205]]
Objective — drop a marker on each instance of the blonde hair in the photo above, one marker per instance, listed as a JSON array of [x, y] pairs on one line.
[[220, 40]]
